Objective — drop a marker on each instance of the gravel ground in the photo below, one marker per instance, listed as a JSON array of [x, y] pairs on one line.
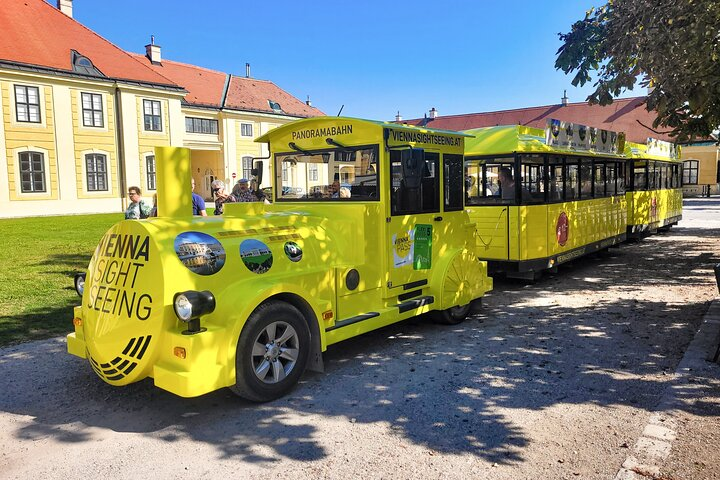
[[555, 380]]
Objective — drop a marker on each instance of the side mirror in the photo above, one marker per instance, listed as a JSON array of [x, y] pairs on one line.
[[257, 172]]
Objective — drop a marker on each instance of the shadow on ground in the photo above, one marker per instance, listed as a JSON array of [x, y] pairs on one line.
[[446, 388]]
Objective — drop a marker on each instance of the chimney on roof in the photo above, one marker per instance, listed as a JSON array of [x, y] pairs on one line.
[[433, 113], [308, 102], [152, 51], [398, 117], [247, 70], [564, 98], [65, 6]]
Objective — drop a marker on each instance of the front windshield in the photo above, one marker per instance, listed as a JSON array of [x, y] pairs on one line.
[[341, 174]]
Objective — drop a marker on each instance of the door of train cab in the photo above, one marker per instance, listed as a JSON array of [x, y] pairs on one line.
[[414, 215]]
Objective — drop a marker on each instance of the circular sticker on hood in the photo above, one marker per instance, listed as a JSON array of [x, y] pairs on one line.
[[200, 252], [256, 256]]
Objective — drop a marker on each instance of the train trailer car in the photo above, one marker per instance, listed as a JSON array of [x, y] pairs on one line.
[[654, 194], [542, 198], [367, 228]]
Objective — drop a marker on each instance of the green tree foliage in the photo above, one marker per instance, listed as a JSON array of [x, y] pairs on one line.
[[671, 45]]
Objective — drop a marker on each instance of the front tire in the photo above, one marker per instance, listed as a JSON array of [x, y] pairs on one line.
[[272, 352]]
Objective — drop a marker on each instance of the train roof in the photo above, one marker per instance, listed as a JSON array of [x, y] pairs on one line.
[[508, 139]]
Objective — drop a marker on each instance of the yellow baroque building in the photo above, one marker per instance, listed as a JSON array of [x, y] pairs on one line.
[[79, 117]]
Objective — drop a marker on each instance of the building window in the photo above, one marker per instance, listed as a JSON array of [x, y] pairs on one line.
[[690, 172], [246, 129], [32, 172], [96, 172], [275, 106], [313, 172], [151, 112], [247, 166], [92, 110], [150, 166], [201, 125], [27, 104]]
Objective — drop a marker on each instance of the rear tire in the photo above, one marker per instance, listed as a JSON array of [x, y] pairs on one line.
[[451, 316], [272, 352]]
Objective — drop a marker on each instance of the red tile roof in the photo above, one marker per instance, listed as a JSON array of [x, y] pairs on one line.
[[38, 34], [205, 87], [627, 115], [253, 94]]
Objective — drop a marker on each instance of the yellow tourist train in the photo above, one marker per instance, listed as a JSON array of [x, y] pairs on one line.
[[654, 195], [367, 227], [540, 198]]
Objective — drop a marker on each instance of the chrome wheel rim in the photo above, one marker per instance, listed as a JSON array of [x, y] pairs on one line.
[[275, 352]]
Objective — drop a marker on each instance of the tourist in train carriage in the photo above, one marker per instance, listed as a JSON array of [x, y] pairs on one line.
[[221, 197], [242, 192]]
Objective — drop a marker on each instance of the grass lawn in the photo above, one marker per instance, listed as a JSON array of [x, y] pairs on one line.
[[40, 257]]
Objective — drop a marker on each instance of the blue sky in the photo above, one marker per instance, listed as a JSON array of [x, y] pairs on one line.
[[375, 58]]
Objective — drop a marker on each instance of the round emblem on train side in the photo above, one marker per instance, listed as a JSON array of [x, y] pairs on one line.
[[562, 229]]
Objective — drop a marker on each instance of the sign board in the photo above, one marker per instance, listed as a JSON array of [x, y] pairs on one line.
[[575, 136]]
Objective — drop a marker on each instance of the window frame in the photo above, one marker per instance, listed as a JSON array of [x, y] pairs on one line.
[[150, 172], [27, 104], [690, 168], [92, 109], [95, 173], [148, 118], [202, 126], [244, 126], [32, 172], [246, 162]]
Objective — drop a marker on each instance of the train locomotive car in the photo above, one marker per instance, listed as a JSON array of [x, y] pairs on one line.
[[367, 228]]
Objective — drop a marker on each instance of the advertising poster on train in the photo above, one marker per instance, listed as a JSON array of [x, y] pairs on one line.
[[423, 247], [403, 248]]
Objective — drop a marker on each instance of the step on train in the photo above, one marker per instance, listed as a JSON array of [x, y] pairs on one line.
[[370, 223]]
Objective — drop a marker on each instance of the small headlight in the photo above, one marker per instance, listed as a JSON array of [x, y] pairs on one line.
[[80, 283], [183, 307]]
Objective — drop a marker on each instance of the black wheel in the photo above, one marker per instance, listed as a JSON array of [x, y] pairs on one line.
[[272, 352], [451, 316]]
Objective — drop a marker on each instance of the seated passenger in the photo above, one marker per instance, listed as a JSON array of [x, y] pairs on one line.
[[507, 184], [344, 192], [334, 189]]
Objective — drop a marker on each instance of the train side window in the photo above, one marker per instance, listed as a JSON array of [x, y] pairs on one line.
[[640, 176], [612, 178], [586, 178], [572, 181], [556, 179], [453, 182], [652, 176], [621, 182], [599, 180], [414, 182], [532, 178], [482, 182]]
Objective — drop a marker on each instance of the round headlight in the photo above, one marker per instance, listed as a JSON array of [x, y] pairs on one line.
[[183, 308], [80, 283]]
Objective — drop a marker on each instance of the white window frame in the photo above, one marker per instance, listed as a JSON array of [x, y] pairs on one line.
[[246, 162], [18, 175], [102, 111], [691, 166], [108, 171], [246, 129], [148, 186], [152, 102]]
